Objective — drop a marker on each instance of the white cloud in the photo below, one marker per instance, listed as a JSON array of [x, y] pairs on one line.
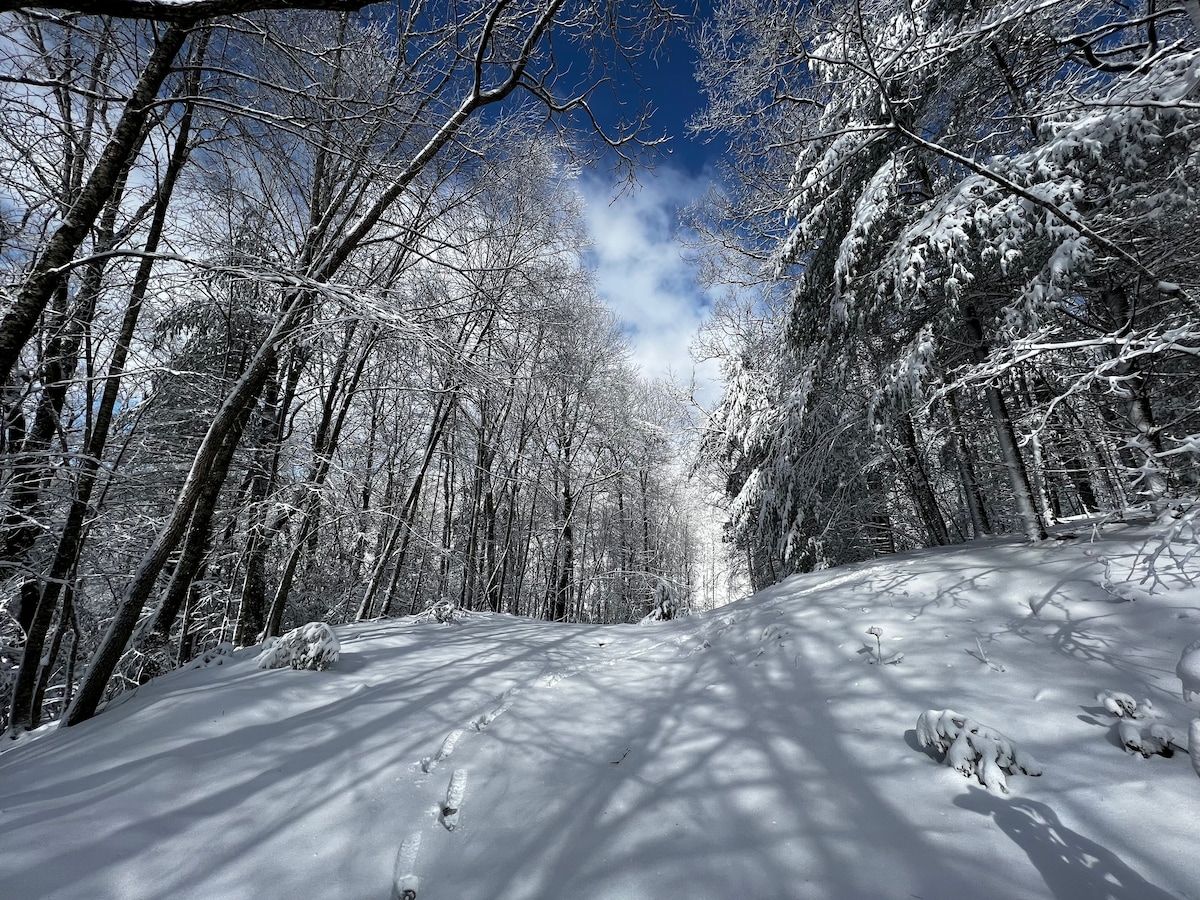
[[643, 275]]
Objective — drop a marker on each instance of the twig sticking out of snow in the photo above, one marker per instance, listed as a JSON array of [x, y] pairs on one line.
[[985, 658], [892, 660], [974, 749], [878, 633]]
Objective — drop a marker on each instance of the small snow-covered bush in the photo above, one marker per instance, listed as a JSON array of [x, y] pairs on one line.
[[312, 646], [1124, 706], [444, 612], [665, 606], [974, 749], [1158, 739], [214, 656]]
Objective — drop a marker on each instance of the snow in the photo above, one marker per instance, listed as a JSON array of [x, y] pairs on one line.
[[751, 752], [311, 646], [1188, 671], [974, 749]]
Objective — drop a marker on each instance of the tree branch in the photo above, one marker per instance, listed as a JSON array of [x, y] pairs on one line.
[[186, 11]]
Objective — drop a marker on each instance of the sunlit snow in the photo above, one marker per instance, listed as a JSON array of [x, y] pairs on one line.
[[755, 752]]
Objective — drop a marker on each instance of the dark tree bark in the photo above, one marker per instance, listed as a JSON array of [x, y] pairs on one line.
[[1006, 437], [31, 300], [42, 604], [976, 507]]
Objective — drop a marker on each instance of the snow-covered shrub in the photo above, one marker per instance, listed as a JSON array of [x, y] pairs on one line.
[[1122, 705], [665, 605], [974, 749], [1158, 739], [312, 646], [215, 656], [444, 612]]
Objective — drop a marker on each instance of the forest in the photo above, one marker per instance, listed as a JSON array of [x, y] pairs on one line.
[[961, 243], [297, 324]]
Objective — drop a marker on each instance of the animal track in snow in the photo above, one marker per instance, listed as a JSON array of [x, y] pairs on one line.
[[454, 798], [429, 763], [404, 879]]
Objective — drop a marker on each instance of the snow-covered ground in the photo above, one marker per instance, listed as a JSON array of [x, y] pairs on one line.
[[761, 751]]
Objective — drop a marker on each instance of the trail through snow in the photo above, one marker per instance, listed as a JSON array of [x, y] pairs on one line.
[[754, 752]]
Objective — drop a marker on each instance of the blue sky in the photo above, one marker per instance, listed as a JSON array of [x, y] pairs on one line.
[[642, 270], [641, 264]]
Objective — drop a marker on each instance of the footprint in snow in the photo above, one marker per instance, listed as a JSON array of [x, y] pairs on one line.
[[429, 763], [454, 798], [489, 717], [404, 878]]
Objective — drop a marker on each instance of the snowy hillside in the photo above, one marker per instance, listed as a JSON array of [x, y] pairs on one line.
[[762, 751]]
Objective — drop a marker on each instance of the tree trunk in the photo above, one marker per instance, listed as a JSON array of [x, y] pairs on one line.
[[19, 322], [70, 543], [402, 532], [918, 480], [976, 507], [199, 531], [236, 406], [1006, 437], [1014, 465]]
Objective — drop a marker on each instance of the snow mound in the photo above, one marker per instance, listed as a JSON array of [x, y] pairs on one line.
[[1188, 671], [214, 656], [312, 646], [974, 749]]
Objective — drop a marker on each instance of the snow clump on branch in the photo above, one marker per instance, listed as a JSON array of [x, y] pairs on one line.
[[974, 749], [444, 612], [312, 646]]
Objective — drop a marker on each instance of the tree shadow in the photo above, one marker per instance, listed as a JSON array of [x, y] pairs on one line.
[[1073, 867]]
